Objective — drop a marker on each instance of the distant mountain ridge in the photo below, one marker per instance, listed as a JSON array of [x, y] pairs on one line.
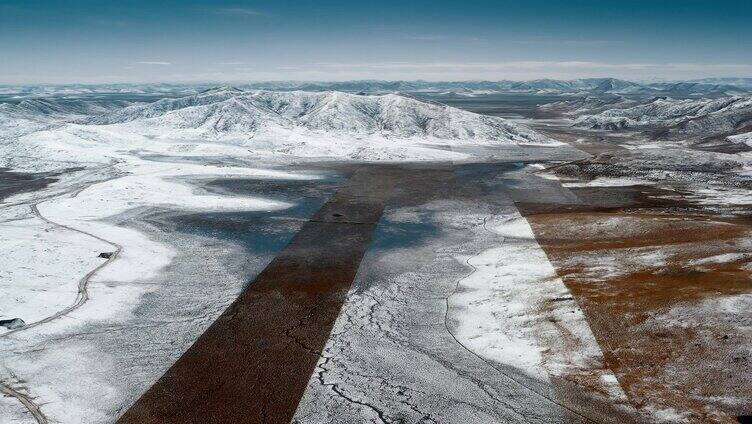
[[708, 86], [584, 85]]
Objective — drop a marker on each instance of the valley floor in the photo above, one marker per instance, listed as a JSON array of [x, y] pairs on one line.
[[494, 290]]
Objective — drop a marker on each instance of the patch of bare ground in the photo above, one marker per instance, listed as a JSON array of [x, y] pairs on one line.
[[664, 291]]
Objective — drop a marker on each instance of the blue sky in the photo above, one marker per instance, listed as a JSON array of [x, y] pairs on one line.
[[180, 41]]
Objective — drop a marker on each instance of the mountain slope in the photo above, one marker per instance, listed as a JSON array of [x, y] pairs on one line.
[[692, 118], [17, 119], [744, 138]]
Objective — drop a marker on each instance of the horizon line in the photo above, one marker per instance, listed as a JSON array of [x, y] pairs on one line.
[[334, 81]]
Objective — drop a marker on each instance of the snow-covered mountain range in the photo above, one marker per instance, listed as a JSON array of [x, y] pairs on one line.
[[541, 86], [684, 118], [272, 124], [226, 112], [706, 87], [583, 85]]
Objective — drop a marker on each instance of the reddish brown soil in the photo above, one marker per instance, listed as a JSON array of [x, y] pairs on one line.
[[689, 361]]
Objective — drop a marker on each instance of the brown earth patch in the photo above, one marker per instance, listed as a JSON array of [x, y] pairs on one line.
[[641, 275]]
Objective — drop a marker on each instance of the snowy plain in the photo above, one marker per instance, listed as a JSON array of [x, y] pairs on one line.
[[70, 263], [506, 306]]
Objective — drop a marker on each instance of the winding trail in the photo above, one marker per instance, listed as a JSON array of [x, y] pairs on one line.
[[83, 284], [81, 297], [33, 408]]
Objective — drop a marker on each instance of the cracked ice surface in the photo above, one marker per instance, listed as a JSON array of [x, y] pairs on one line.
[[398, 353]]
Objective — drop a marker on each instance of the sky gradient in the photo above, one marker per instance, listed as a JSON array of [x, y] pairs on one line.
[[183, 41]]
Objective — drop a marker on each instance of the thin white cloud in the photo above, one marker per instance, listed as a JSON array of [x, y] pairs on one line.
[[553, 41], [157, 63], [238, 11], [444, 38], [231, 63], [427, 37]]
